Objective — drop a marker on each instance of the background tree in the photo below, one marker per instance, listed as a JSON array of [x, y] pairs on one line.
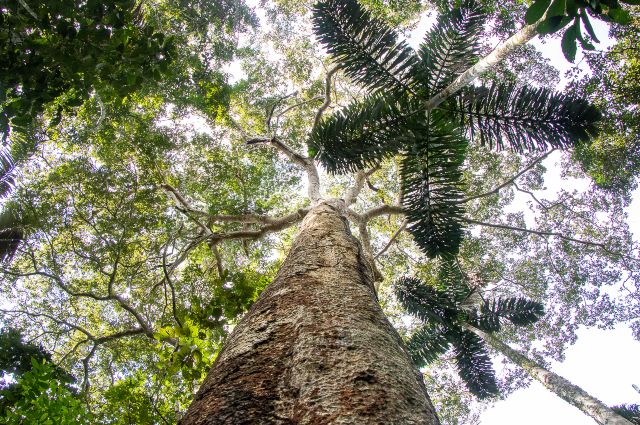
[[455, 314]]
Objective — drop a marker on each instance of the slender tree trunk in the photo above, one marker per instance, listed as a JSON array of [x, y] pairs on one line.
[[555, 383], [315, 348]]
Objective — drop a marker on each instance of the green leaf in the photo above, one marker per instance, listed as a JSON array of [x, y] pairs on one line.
[[553, 24], [587, 25], [427, 344], [363, 133], [451, 47], [569, 45], [536, 11], [557, 8], [474, 365], [432, 185], [620, 16]]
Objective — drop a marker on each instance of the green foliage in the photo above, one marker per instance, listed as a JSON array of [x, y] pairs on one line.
[[16, 356], [432, 186], [11, 232], [431, 142], [41, 397], [450, 47], [519, 311], [446, 310], [193, 353], [366, 48], [559, 13], [612, 160], [59, 47], [132, 401], [474, 364], [524, 118], [364, 133]]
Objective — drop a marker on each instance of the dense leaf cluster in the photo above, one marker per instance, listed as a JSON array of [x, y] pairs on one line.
[[559, 13]]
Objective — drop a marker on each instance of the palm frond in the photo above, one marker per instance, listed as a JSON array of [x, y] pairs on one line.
[[474, 365], [425, 302], [427, 344], [523, 118], [451, 47], [452, 280], [7, 170], [519, 311], [365, 47], [363, 133], [432, 186], [11, 233]]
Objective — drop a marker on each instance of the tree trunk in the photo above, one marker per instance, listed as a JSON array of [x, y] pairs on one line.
[[315, 348], [555, 383]]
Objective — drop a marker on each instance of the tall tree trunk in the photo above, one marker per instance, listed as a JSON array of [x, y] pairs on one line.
[[555, 383], [315, 348]]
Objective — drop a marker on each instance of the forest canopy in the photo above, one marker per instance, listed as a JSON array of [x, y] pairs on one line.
[[158, 157]]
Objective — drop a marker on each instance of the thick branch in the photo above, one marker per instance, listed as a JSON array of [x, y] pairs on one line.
[[382, 210], [327, 96], [306, 163], [274, 226], [361, 178]]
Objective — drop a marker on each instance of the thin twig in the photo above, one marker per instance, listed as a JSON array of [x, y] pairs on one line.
[[510, 181], [537, 232], [392, 240]]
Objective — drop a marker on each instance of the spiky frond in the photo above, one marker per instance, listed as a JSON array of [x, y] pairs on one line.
[[474, 365], [452, 280], [519, 311], [525, 118], [432, 186], [427, 344], [11, 233], [365, 47], [424, 302], [7, 169], [451, 47], [363, 133]]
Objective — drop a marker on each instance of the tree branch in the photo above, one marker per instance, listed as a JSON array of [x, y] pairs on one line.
[[327, 96], [274, 226], [393, 239], [361, 178], [537, 232], [510, 181], [306, 163], [381, 210]]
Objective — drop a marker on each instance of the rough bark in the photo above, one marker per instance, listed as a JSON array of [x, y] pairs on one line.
[[555, 383], [315, 348]]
